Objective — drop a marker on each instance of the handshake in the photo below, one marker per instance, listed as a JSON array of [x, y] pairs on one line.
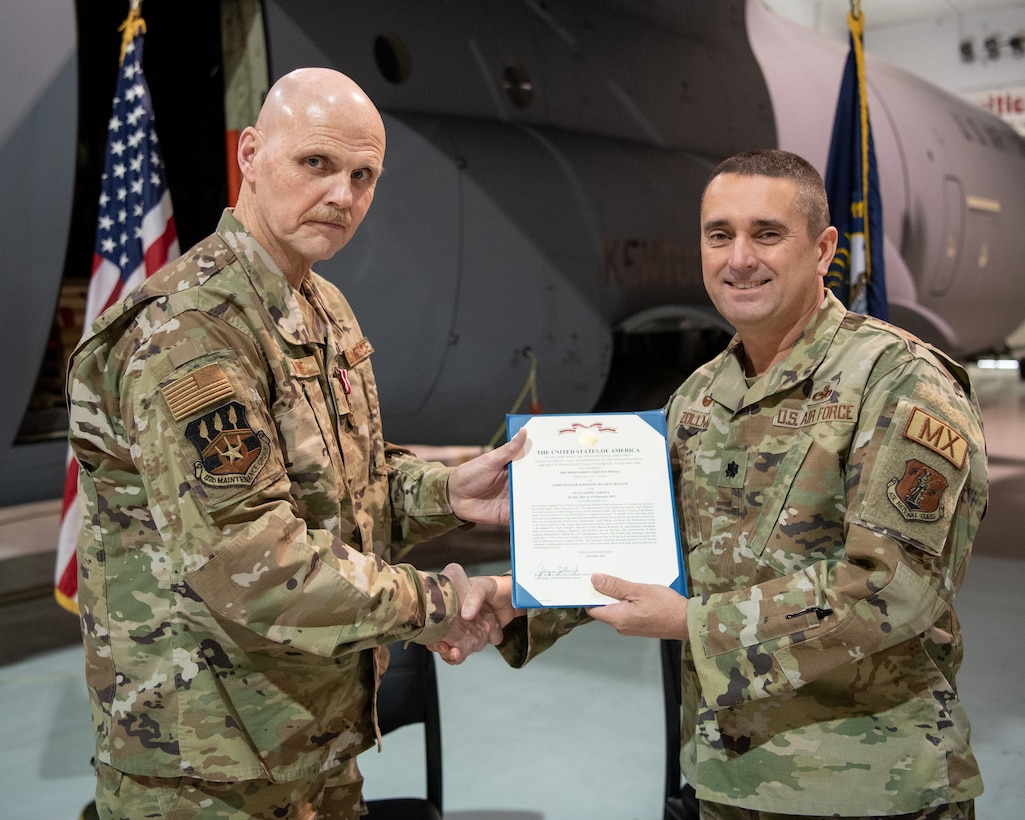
[[646, 610], [485, 607], [479, 491]]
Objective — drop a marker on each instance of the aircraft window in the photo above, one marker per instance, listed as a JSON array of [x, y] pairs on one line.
[[392, 58], [518, 85]]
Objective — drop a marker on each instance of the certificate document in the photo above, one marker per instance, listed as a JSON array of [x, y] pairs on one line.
[[591, 493]]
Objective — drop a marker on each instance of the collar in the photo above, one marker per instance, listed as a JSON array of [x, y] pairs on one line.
[[270, 284], [729, 385]]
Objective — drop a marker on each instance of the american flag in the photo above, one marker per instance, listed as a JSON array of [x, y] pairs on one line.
[[135, 237]]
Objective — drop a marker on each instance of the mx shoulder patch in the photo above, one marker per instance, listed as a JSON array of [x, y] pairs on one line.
[[941, 438]]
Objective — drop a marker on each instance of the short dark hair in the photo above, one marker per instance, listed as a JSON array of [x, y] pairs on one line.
[[773, 162]]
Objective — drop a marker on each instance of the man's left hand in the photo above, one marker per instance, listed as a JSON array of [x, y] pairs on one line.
[[479, 489], [648, 610]]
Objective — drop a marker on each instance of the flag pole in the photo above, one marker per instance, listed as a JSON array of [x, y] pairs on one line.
[[857, 28]]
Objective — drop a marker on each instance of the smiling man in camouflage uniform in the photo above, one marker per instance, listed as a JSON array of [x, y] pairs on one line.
[[830, 476], [241, 504]]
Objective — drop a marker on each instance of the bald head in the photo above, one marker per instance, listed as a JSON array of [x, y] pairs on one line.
[[307, 97], [310, 167]]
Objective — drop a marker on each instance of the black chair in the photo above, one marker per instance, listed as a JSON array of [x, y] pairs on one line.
[[681, 802], [409, 694]]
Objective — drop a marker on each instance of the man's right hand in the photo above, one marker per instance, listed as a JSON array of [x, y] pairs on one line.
[[491, 592], [490, 598]]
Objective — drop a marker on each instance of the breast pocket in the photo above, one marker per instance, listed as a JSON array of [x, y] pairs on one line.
[[763, 503], [311, 458], [364, 441], [802, 507]]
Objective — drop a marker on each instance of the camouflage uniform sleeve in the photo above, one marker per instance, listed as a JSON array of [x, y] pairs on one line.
[[418, 491], [527, 637], [916, 490], [239, 539]]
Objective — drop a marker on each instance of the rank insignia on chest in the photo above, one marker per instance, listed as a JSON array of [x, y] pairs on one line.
[[231, 453], [918, 493]]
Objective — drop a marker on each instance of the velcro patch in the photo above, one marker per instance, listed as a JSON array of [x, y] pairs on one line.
[[688, 418], [304, 368], [231, 453], [937, 436], [199, 389], [697, 418], [358, 352], [918, 494]]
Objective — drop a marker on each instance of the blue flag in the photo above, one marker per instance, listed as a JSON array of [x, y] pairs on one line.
[[857, 274]]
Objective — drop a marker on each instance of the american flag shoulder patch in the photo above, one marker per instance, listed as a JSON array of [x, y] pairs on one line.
[[197, 390]]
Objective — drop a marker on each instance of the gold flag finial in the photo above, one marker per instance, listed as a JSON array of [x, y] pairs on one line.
[[132, 25]]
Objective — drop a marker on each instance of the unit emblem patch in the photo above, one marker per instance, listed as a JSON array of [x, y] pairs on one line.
[[231, 453], [918, 493]]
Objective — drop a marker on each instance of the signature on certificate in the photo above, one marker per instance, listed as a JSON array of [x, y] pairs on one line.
[[557, 572]]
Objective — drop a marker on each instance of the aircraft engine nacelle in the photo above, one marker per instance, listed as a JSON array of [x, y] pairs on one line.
[[492, 239], [543, 169]]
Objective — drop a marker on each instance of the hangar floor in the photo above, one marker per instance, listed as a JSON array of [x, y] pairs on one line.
[[578, 733]]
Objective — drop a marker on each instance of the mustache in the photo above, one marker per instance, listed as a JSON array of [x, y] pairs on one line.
[[335, 216]]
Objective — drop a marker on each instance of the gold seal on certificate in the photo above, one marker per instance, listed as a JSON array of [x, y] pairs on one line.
[[592, 492]]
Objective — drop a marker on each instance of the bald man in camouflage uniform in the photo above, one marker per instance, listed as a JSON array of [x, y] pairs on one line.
[[241, 504], [830, 476]]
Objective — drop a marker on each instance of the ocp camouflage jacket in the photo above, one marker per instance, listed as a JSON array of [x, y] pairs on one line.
[[827, 512], [240, 505]]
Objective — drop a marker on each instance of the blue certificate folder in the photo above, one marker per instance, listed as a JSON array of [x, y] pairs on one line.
[[591, 518]]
